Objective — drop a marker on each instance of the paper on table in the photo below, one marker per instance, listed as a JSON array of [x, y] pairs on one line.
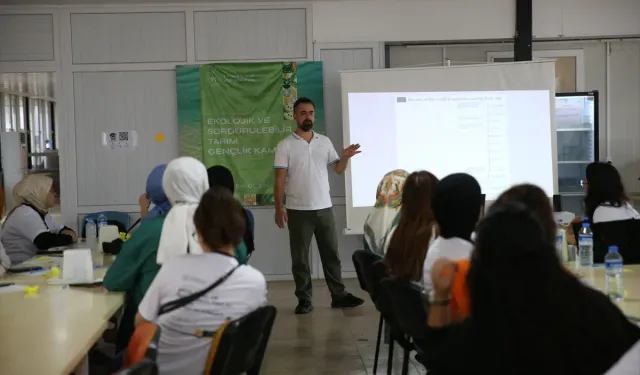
[[77, 265], [12, 288]]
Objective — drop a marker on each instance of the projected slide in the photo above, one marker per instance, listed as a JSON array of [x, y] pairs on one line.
[[500, 137]]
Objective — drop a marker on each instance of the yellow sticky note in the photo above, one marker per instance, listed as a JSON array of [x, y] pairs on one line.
[[31, 290], [628, 270], [159, 137], [53, 273]]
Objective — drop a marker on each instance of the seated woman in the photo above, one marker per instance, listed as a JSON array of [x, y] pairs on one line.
[[135, 266], [220, 225], [457, 204], [606, 199], [529, 316], [385, 212], [536, 200], [416, 229], [29, 228], [221, 176]]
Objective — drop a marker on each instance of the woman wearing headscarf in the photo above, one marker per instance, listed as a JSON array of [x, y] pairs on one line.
[[528, 315], [29, 227], [456, 204], [135, 267], [185, 181], [384, 217], [219, 175], [155, 195]]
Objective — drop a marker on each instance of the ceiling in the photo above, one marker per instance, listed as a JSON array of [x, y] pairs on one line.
[[38, 85], [104, 2]]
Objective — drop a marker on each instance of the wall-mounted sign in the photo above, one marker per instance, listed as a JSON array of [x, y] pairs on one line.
[[120, 140]]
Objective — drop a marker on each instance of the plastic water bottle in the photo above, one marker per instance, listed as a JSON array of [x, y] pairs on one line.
[[614, 268], [560, 241], [91, 233], [102, 221], [585, 246]]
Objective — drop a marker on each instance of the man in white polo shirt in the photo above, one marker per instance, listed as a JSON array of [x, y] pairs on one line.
[[301, 162]]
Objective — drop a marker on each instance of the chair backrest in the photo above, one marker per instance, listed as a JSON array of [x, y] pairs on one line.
[[144, 367], [382, 301], [363, 262], [408, 305], [121, 219], [143, 344], [622, 233], [243, 342]]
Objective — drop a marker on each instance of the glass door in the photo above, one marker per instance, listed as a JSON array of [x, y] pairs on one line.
[[576, 123]]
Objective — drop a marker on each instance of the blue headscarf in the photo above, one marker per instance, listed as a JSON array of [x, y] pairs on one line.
[[156, 192]]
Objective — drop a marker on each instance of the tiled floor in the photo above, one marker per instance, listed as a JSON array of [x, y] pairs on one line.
[[327, 341]]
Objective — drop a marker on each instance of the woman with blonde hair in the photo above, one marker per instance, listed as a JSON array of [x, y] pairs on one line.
[[29, 227], [385, 211]]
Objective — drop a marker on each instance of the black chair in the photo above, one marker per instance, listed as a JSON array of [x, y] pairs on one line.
[[144, 367], [243, 343], [363, 262], [384, 305], [410, 310], [622, 233]]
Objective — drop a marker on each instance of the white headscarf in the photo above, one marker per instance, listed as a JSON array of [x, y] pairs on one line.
[[388, 201], [184, 182], [33, 190]]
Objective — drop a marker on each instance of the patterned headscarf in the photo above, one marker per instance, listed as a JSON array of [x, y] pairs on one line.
[[388, 201]]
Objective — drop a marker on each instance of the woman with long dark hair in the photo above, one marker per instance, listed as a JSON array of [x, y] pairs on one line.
[[606, 199], [528, 314], [416, 228]]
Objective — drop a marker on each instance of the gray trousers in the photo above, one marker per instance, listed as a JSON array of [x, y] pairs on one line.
[[302, 226]]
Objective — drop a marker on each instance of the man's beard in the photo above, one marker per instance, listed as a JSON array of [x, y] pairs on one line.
[[306, 125]]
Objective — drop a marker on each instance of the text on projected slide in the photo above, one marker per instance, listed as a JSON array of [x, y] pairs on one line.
[[500, 138]]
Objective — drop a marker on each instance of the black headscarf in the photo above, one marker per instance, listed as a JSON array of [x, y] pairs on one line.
[[456, 205], [222, 176]]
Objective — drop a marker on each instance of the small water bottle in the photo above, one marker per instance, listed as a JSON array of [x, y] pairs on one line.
[[560, 241], [102, 221], [614, 270], [585, 246], [91, 233]]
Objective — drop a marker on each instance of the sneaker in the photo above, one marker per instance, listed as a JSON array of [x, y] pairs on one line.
[[304, 307], [349, 300]]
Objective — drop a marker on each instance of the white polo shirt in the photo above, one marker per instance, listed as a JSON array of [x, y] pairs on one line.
[[306, 164]]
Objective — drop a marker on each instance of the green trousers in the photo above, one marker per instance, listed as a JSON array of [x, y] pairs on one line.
[[302, 226]]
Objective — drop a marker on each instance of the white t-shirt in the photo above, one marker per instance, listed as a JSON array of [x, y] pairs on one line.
[[451, 248], [307, 176], [610, 213], [179, 351], [22, 226]]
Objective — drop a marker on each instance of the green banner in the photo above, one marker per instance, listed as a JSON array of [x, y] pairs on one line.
[[235, 115]]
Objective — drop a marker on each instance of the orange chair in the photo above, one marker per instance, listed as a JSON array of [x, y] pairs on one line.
[[143, 344]]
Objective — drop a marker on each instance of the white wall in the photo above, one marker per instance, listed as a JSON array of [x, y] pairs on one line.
[[114, 68], [446, 20]]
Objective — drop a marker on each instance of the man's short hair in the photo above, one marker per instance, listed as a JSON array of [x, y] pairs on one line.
[[303, 100]]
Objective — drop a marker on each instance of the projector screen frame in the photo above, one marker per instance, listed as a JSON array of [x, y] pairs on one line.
[[347, 136]]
